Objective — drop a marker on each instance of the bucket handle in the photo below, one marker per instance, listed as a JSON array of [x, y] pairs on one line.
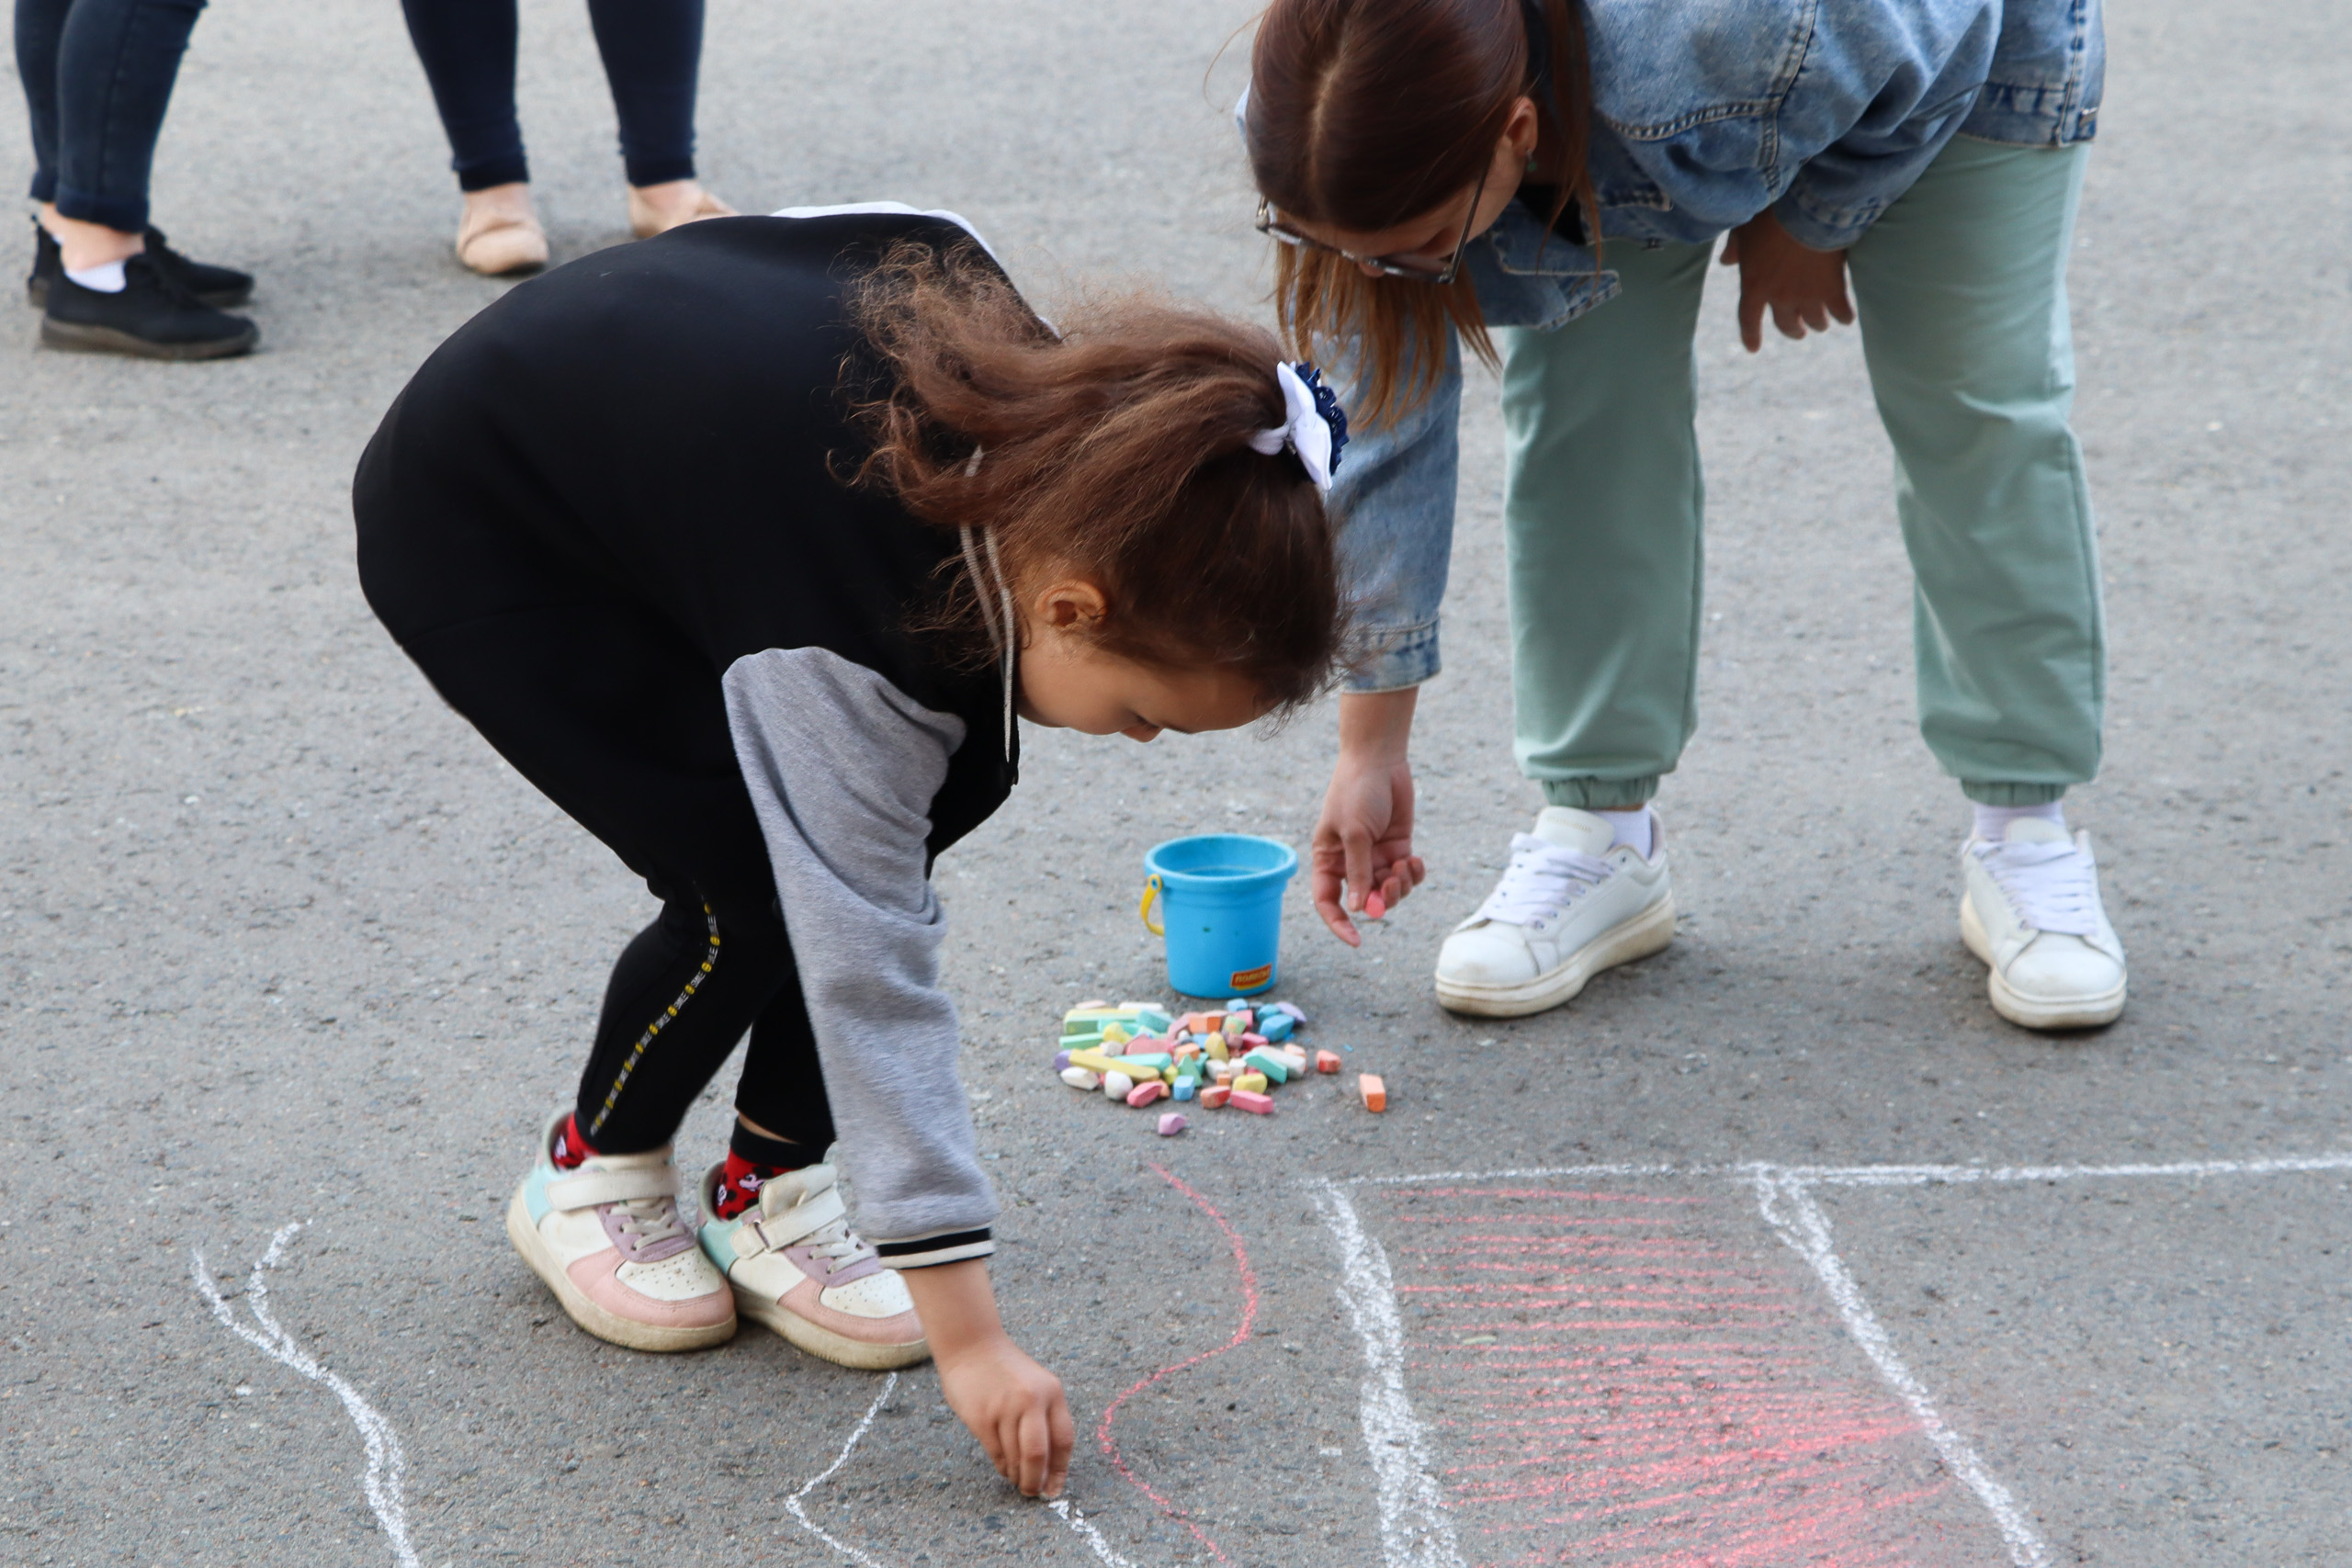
[[1151, 891]]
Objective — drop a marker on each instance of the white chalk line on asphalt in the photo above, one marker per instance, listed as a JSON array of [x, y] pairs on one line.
[[1415, 1531], [1084, 1526], [387, 1465], [1877, 1175], [1068, 1511], [793, 1503], [1788, 1206]]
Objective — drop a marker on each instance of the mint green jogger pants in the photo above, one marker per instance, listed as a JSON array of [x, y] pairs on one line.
[[1959, 287]]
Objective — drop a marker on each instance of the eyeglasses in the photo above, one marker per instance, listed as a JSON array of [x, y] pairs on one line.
[[1415, 272]]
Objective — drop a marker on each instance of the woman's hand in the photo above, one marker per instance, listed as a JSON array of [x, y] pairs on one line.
[[1364, 842], [1803, 288], [1013, 1405]]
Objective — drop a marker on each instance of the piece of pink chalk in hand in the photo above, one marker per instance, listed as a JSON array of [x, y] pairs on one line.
[[1374, 907], [1171, 1125]]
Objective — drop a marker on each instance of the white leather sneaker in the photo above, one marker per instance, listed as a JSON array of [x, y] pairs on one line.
[[798, 1267], [2029, 909], [1571, 904], [607, 1238]]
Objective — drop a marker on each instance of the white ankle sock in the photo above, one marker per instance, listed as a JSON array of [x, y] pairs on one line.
[[1993, 821], [1630, 826], [105, 278]]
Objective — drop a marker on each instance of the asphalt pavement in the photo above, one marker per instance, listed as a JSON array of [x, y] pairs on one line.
[[1828, 1263]]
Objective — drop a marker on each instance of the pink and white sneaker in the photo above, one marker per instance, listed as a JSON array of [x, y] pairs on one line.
[[608, 1239], [798, 1267]]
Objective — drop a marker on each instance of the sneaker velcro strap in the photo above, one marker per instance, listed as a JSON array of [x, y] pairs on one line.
[[802, 1220], [591, 1188]]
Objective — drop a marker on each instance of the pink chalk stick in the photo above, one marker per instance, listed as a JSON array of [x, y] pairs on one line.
[[1143, 1094], [1171, 1125], [1259, 1104], [1249, 1042]]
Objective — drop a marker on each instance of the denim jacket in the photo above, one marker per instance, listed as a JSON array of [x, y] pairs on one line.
[[1706, 112]]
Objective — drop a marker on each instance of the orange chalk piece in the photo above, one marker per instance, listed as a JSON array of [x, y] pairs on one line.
[[1326, 1061], [1374, 1092], [1216, 1096], [1260, 1104]]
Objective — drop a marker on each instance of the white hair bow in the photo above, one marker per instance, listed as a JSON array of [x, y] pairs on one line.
[[1314, 425]]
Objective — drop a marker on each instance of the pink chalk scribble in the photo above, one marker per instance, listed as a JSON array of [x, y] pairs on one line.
[[1245, 1279], [1616, 1380]]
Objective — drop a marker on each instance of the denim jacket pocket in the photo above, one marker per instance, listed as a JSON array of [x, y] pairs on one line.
[[1529, 276]]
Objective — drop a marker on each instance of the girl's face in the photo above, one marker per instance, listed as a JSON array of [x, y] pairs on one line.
[[1067, 682], [1429, 240]]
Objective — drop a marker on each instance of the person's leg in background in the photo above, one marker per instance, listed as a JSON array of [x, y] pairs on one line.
[[1601, 517], [97, 76], [653, 54], [1960, 290], [468, 47]]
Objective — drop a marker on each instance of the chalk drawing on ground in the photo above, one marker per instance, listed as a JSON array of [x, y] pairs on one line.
[[387, 1465], [849, 1446], [1604, 1377]]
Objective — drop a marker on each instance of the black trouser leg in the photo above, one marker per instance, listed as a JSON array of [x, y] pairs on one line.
[[468, 50], [783, 1088], [682, 993], [652, 52]]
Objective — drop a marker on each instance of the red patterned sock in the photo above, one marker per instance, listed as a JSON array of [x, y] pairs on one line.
[[569, 1149], [738, 1189]]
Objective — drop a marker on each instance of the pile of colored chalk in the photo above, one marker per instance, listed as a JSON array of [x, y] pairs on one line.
[[1141, 1054]]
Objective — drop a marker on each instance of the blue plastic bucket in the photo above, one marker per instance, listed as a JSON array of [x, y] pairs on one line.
[[1220, 898]]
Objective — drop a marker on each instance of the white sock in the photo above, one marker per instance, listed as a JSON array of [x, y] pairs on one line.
[[1630, 826], [1993, 821], [107, 278]]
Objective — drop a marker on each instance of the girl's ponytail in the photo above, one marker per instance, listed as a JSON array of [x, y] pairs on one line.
[[1126, 449], [1368, 113]]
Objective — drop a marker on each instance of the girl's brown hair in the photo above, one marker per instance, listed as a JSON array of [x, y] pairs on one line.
[[1366, 114], [1115, 450]]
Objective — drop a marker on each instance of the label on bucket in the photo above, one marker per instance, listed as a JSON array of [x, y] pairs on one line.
[[1243, 979]]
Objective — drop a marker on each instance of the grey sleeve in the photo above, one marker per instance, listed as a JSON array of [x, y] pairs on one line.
[[842, 768]]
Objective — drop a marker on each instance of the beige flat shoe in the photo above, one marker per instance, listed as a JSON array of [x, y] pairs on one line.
[[499, 240], [646, 220]]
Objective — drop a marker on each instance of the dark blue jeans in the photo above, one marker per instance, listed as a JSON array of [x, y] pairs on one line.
[[652, 51], [97, 77]]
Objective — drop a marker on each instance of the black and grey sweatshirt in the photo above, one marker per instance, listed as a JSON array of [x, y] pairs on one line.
[[865, 751]]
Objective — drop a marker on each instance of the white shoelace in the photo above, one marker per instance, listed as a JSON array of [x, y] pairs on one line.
[[650, 1220], [1541, 880], [2052, 887], [834, 1243]]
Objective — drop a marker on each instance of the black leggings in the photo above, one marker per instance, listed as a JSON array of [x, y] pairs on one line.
[[619, 721], [651, 50], [682, 993]]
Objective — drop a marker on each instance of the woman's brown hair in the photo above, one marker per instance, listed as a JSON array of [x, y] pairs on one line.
[[1115, 449], [1365, 113]]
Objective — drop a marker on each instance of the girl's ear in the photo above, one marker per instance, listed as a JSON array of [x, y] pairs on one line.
[[1520, 130], [1071, 604]]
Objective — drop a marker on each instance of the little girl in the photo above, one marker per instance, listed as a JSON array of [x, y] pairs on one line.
[[745, 546]]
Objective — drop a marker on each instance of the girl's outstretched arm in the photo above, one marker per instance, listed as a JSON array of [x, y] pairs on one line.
[[1013, 1405]]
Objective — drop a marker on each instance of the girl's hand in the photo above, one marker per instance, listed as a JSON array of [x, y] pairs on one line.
[[1013, 1405], [1364, 841], [1803, 288]]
